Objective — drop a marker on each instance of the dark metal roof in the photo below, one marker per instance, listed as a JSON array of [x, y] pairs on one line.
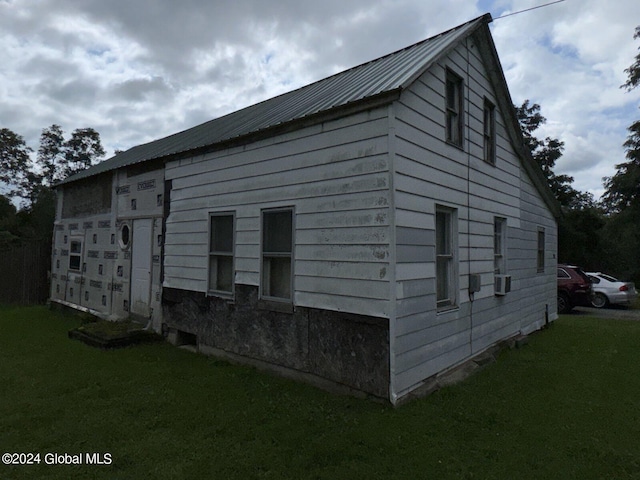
[[392, 72]]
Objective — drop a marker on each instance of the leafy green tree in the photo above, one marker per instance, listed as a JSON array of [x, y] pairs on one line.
[[580, 229], [8, 224], [35, 221], [633, 72], [546, 153], [51, 154], [81, 151], [623, 188], [15, 162], [622, 192], [57, 159]]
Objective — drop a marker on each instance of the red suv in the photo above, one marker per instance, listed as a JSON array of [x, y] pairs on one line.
[[574, 288]]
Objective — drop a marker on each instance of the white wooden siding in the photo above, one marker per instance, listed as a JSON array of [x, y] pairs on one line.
[[335, 175], [428, 172]]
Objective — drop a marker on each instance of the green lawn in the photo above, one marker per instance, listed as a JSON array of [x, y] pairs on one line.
[[565, 406]]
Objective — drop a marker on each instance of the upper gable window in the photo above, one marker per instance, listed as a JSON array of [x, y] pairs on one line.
[[541, 250], [489, 132], [454, 119]]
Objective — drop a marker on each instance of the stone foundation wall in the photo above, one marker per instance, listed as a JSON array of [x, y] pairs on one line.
[[350, 350]]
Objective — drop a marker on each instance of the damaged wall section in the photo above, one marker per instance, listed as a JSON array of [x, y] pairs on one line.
[[347, 349]]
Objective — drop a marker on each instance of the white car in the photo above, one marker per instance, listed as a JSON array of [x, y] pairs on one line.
[[611, 291]]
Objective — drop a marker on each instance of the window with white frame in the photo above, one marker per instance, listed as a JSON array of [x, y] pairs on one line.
[[541, 251], [446, 258], [75, 255], [489, 132], [221, 252], [454, 108], [499, 246], [277, 254]]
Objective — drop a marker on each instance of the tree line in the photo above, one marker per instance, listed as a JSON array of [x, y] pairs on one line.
[[599, 235], [28, 181]]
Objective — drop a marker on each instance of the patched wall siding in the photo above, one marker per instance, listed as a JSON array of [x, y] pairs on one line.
[[346, 349], [100, 206], [335, 175], [88, 197], [430, 172]]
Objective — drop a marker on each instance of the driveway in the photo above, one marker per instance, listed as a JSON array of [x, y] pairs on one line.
[[623, 313]]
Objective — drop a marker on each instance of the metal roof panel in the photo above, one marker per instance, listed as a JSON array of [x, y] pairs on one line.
[[394, 71]]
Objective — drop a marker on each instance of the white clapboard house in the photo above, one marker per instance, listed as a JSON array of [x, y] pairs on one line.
[[370, 230]]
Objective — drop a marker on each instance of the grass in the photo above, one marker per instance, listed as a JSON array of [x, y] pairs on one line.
[[566, 406], [106, 334]]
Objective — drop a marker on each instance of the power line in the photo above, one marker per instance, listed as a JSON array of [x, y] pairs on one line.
[[529, 9]]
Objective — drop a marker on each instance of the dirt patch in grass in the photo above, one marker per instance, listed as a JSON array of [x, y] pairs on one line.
[[105, 334]]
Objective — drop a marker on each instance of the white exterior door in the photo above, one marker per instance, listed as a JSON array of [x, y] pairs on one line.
[[141, 267]]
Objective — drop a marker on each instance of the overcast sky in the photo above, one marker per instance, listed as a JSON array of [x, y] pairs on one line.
[[138, 70]]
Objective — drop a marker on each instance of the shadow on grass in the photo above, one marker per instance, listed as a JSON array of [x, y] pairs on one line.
[[105, 334]]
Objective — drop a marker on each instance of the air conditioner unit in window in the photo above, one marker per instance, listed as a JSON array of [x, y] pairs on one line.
[[503, 284]]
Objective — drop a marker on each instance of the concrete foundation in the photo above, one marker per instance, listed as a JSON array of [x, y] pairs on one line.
[[349, 350]]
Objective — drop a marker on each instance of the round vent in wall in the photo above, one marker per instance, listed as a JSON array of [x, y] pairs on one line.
[[125, 236]]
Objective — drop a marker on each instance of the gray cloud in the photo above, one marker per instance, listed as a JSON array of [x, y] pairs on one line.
[[137, 71], [140, 89]]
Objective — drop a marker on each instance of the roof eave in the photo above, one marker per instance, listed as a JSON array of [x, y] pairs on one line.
[[463, 32], [340, 111]]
